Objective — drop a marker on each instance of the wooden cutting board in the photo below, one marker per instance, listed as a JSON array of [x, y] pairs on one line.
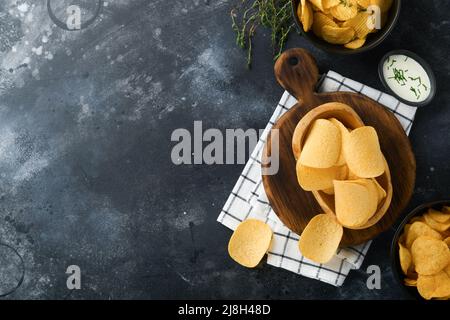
[[297, 72]]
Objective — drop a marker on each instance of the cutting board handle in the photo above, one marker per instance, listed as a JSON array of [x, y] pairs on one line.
[[296, 71]]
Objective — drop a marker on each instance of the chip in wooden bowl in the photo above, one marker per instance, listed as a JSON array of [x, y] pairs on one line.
[[363, 153]]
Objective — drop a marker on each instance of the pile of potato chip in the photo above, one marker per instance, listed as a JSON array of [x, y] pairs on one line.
[[424, 253], [343, 22], [343, 164]]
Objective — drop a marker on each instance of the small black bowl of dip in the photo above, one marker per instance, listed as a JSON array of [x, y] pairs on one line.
[[407, 77]]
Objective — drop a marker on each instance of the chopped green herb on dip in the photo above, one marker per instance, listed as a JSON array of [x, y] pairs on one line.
[[406, 78]]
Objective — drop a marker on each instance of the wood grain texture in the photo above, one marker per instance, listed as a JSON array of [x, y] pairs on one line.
[[297, 72]]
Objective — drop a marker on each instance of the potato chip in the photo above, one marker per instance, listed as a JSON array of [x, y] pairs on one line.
[[447, 241], [363, 3], [320, 20], [384, 5], [410, 282], [359, 24], [250, 242], [305, 13], [427, 285], [436, 225], [329, 191], [315, 9], [354, 203], [321, 237], [371, 186], [344, 133], [363, 153], [327, 4], [318, 4], [405, 258], [322, 146], [447, 270], [381, 192], [434, 286], [429, 255], [340, 125], [313, 179], [446, 209], [406, 228], [351, 175], [438, 216], [377, 192], [355, 44], [345, 10], [417, 218], [419, 229], [337, 35]]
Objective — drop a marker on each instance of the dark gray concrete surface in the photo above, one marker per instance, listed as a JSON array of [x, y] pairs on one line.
[[86, 176]]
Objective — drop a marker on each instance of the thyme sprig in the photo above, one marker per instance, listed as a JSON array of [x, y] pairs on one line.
[[272, 14]]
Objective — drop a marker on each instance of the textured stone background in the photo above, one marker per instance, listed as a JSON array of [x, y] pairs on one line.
[[85, 170]]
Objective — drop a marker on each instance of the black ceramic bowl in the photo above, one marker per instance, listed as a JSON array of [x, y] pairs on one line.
[[373, 39], [423, 63], [395, 260]]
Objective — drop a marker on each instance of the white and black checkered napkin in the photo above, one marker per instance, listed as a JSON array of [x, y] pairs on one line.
[[248, 199]]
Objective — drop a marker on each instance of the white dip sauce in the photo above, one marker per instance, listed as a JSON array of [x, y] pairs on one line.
[[407, 78]]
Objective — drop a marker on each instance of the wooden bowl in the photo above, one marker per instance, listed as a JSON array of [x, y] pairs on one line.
[[350, 119], [297, 72]]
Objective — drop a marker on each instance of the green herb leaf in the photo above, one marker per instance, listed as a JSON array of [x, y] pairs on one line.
[[416, 92], [399, 76], [416, 79], [272, 14], [392, 63]]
